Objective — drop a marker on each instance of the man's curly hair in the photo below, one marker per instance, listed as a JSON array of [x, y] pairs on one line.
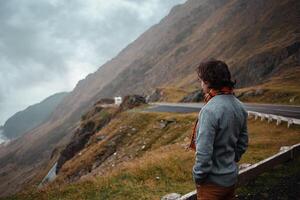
[[216, 73]]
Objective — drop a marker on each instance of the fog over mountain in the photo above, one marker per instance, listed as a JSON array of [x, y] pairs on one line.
[[27, 119], [48, 46], [2, 137]]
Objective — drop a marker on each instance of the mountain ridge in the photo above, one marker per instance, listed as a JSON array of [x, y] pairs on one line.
[[32, 116], [248, 35]]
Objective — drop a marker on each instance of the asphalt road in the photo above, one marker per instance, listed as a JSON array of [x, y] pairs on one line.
[[282, 110]]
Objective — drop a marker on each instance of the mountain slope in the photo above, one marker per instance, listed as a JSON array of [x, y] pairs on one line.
[[25, 120], [141, 155], [256, 38]]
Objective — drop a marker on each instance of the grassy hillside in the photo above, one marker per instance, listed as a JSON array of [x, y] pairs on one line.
[[256, 38], [150, 159], [281, 88]]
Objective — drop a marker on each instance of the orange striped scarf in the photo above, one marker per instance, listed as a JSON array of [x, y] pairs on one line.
[[207, 97]]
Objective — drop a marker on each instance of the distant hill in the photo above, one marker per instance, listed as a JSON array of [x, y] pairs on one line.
[[258, 39], [25, 120]]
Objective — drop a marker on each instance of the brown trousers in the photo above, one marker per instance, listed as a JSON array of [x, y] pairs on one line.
[[210, 191]]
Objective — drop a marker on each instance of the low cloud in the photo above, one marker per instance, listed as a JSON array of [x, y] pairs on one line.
[[48, 46]]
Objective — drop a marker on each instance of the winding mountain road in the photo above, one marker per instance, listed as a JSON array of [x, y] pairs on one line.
[[275, 109]]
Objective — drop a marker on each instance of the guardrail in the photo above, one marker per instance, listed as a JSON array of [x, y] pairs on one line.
[[277, 118], [248, 173]]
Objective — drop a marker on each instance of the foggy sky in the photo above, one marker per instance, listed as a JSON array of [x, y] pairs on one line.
[[47, 46]]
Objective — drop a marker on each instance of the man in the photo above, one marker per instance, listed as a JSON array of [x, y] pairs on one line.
[[221, 135]]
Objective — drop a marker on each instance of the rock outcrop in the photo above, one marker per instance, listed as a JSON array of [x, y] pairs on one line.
[[93, 121], [131, 101], [195, 96]]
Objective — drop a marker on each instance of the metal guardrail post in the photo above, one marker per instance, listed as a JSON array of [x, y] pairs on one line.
[[272, 117]]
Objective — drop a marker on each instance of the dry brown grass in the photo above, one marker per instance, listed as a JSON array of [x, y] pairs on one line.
[[137, 133], [165, 158], [173, 94], [266, 139], [282, 88]]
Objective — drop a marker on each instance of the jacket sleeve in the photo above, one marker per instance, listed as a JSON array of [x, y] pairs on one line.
[[242, 142], [204, 145]]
